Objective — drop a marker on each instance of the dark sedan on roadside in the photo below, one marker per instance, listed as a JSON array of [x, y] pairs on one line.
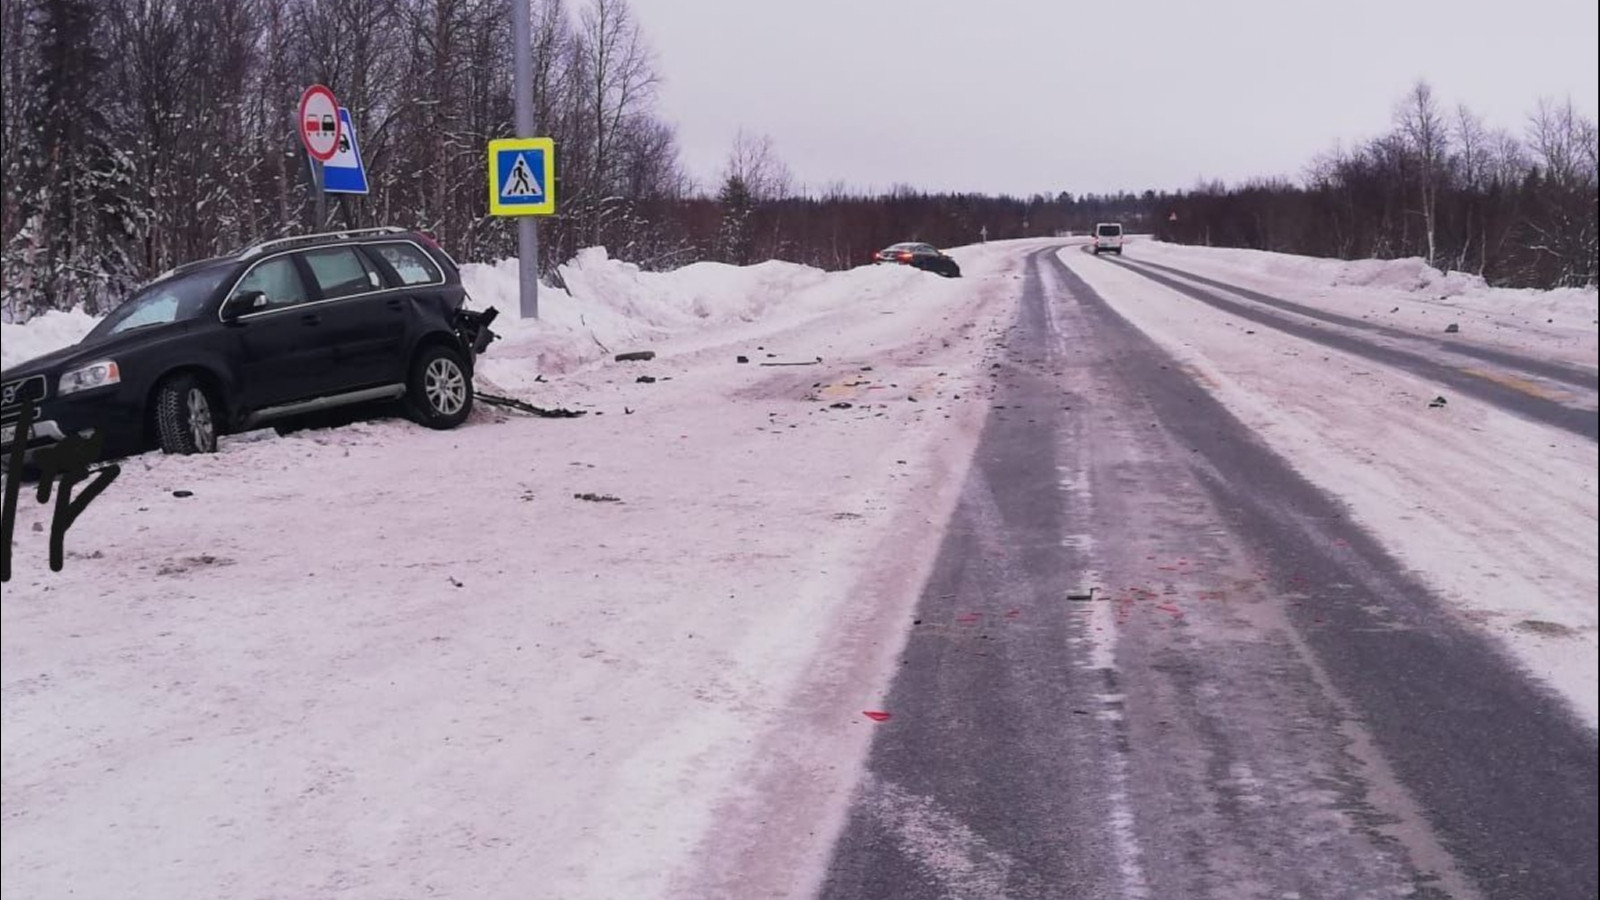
[[920, 256]]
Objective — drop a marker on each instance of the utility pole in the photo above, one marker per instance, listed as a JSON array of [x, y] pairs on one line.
[[527, 230]]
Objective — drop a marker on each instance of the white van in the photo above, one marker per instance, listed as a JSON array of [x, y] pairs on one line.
[[1108, 238]]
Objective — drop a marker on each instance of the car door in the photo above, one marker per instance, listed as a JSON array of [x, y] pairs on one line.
[[364, 317], [282, 347], [420, 284]]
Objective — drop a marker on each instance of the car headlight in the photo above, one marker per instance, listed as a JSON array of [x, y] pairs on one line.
[[96, 374]]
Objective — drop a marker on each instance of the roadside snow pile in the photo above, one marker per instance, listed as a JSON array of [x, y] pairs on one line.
[[610, 306], [42, 334], [609, 303]]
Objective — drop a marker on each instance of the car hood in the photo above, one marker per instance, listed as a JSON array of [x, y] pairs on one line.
[[89, 350]]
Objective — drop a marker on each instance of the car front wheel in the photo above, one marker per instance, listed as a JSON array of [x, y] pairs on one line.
[[440, 390], [185, 416]]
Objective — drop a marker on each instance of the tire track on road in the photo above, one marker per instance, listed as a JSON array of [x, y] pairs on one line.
[[1571, 376], [1496, 391]]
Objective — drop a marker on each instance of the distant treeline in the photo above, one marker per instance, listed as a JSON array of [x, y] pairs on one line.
[[1520, 211], [139, 134]]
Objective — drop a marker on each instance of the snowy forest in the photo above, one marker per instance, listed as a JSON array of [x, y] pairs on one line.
[[139, 134]]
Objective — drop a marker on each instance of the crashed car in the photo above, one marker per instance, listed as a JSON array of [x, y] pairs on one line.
[[274, 331], [920, 256]]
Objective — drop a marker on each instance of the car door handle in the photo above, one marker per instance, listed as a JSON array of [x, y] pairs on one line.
[[394, 303], [310, 319]]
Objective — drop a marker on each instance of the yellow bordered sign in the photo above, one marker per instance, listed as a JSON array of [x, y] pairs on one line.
[[522, 177]]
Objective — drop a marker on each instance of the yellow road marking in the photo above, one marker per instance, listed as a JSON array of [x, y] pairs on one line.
[[1515, 382]]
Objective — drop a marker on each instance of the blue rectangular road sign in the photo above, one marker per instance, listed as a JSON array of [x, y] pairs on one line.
[[345, 173]]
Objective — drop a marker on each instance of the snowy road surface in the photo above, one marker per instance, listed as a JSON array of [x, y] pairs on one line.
[[1259, 702], [1161, 578]]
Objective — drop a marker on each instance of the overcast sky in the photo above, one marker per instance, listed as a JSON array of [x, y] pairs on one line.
[[1023, 96]]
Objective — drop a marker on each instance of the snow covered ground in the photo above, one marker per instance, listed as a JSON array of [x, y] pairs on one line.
[[1497, 513], [386, 662]]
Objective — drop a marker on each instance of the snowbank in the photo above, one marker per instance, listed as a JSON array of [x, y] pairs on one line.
[[42, 334], [608, 303]]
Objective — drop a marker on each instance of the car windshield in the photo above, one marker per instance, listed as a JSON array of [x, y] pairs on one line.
[[1110, 230], [169, 300]]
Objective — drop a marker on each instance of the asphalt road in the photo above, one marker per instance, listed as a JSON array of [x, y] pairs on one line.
[[1286, 713]]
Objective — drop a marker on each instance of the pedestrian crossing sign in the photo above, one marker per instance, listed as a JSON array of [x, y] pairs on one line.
[[522, 177]]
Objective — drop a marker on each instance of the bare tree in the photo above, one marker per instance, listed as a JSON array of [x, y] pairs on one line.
[[754, 161], [1425, 132], [621, 72]]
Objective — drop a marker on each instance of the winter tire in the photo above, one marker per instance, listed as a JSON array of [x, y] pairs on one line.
[[440, 389], [186, 420]]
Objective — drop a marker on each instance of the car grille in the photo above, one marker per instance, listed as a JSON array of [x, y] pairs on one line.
[[14, 392]]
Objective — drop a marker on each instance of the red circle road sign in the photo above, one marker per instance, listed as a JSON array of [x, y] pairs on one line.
[[319, 122]]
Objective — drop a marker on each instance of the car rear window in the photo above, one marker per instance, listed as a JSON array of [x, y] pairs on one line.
[[341, 272], [1109, 230], [409, 262]]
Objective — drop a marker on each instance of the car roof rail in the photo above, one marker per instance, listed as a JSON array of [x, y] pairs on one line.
[[320, 237]]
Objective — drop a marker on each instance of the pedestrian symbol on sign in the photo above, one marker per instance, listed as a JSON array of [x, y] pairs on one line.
[[521, 183]]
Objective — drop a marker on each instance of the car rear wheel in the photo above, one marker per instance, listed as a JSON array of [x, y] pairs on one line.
[[186, 420], [440, 390]]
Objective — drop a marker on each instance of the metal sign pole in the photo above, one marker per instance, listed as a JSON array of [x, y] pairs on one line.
[[527, 230], [321, 196]]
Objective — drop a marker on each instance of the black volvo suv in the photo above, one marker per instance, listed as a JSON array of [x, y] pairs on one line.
[[280, 329]]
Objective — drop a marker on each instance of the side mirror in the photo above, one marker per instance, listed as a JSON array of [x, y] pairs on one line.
[[241, 303]]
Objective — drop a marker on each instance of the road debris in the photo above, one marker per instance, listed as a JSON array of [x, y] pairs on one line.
[[529, 408], [597, 498], [636, 356]]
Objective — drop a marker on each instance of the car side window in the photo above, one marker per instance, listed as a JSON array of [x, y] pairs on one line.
[[341, 272], [409, 262], [278, 279]]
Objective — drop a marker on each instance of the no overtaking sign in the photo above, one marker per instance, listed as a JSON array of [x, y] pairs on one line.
[[319, 122]]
